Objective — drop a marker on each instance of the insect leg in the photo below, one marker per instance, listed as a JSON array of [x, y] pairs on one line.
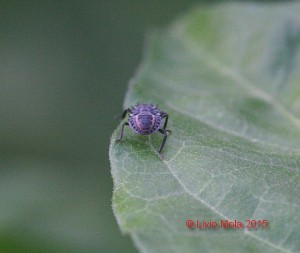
[[164, 132], [121, 132], [166, 116], [123, 115]]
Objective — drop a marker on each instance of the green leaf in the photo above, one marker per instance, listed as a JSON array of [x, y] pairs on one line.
[[228, 75]]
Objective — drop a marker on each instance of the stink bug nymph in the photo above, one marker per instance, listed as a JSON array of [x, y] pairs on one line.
[[146, 119]]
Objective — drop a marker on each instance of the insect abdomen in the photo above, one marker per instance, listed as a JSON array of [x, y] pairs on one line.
[[145, 122]]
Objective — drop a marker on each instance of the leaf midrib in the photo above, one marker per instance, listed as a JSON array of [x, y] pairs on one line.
[[213, 209]]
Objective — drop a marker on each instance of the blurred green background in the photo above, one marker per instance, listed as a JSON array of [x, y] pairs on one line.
[[64, 69]]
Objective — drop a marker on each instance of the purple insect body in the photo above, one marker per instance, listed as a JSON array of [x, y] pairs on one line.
[[146, 119]]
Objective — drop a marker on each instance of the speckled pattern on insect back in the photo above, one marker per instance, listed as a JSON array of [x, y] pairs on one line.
[[146, 119]]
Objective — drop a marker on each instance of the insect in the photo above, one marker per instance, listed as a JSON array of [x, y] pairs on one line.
[[146, 119]]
